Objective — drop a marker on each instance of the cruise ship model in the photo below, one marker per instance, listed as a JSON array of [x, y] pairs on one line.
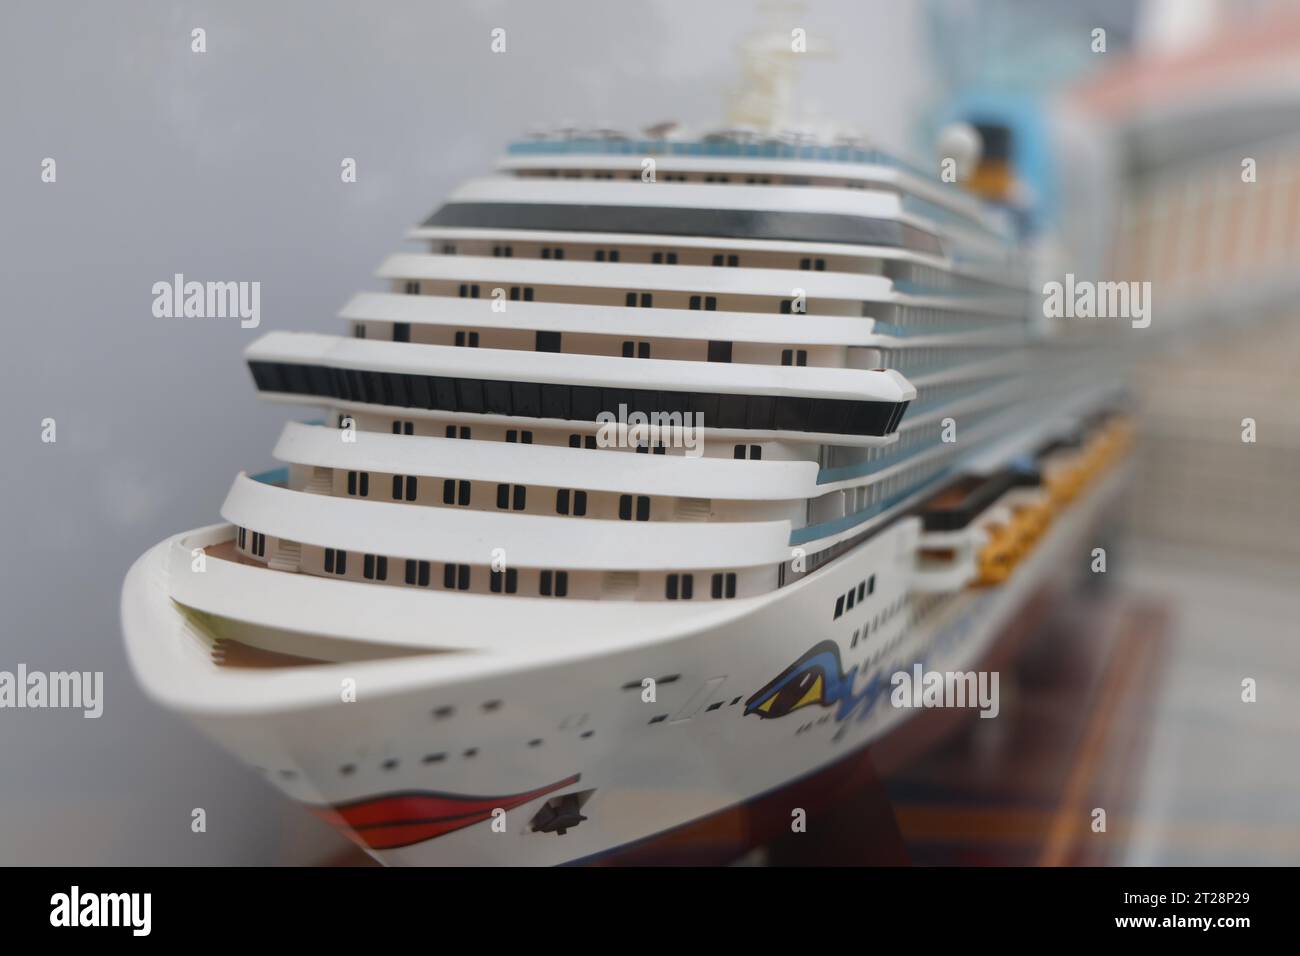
[[631, 491]]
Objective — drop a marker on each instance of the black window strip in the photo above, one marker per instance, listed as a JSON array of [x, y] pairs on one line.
[[584, 403], [725, 223]]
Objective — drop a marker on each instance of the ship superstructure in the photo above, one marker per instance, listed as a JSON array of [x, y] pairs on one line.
[[636, 456]]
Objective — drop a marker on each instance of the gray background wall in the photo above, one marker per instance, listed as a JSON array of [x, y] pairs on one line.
[[225, 166]]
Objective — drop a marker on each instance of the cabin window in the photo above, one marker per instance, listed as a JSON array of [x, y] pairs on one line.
[[578, 441], [625, 507], [659, 258], [455, 492], [404, 487], [553, 583], [680, 587], [455, 577], [468, 291], [794, 357], [720, 260], [359, 330], [610, 255], [709, 302], [645, 300], [515, 502], [503, 251], [243, 537], [547, 342], [336, 562], [464, 431], [816, 264], [467, 339], [636, 350], [510, 577], [719, 351], [375, 567], [403, 428], [527, 292], [524, 437], [564, 502], [412, 288], [552, 253], [723, 585], [401, 331], [449, 249], [359, 483], [417, 572]]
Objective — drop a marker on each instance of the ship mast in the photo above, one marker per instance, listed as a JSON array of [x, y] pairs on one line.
[[768, 64]]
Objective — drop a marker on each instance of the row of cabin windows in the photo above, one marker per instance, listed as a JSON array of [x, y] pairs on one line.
[[613, 255], [549, 583], [374, 567], [515, 497], [682, 586], [846, 602], [552, 341], [644, 300]]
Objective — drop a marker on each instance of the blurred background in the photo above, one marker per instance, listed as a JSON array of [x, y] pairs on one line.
[[1124, 161]]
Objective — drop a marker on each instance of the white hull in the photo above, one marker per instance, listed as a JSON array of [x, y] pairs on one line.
[[577, 718]]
